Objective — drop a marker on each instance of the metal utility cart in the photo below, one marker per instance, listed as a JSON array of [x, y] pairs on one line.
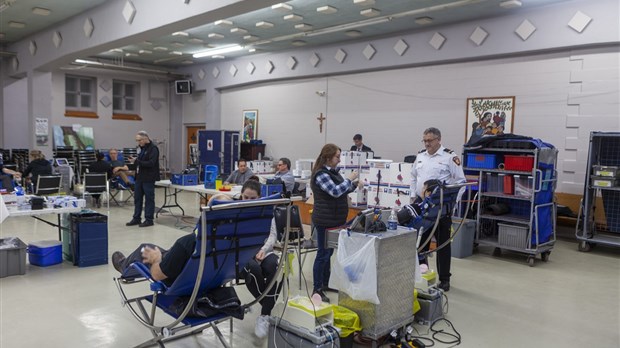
[[516, 210], [602, 185]]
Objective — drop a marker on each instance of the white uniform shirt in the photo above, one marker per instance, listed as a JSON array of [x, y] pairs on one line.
[[444, 165]]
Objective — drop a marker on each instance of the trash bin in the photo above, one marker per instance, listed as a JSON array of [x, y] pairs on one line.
[[89, 239], [463, 243], [348, 322]]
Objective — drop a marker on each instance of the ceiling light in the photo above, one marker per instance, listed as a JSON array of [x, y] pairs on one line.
[[250, 38], [178, 44], [223, 23], [180, 33], [353, 33], [510, 4], [216, 36], [370, 12], [160, 48], [298, 43], [41, 11], [147, 42], [293, 18], [326, 9], [218, 56], [17, 24], [252, 50], [217, 51], [282, 7], [83, 61], [303, 26], [264, 24], [176, 53], [118, 50], [238, 31], [129, 54], [423, 20], [196, 40], [145, 52], [364, 2], [187, 62]]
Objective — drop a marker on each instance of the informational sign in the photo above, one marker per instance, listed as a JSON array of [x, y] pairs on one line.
[[41, 131]]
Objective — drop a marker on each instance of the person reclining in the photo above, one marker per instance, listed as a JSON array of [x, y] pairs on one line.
[[120, 170]]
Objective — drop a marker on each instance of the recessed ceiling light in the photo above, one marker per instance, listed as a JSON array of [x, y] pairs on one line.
[[41, 11], [223, 23], [145, 52], [370, 12], [264, 24], [252, 50], [119, 50], [423, 20], [19, 25], [364, 2], [187, 62], [147, 42], [298, 43], [326, 9], [180, 33], [129, 54], [178, 44], [160, 48], [176, 53], [510, 4], [293, 18], [303, 26], [196, 40], [218, 50], [282, 7], [353, 33], [250, 38], [218, 56], [238, 31], [216, 36]]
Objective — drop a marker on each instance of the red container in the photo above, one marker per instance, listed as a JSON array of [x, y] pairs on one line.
[[509, 185], [520, 163]]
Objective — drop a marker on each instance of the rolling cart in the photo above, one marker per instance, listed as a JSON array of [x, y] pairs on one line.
[[599, 213]]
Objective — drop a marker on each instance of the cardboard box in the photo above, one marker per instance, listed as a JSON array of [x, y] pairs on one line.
[[359, 197], [377, 196], [400, 174]]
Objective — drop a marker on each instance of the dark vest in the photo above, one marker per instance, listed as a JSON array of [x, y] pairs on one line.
[[328, 211]]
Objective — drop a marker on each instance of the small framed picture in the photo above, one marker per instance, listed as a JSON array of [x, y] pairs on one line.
[[250, 125], [489, 116]]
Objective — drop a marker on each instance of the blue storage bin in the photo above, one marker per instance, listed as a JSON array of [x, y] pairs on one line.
[[45, 253], [270, 189], [89, 237], [211, 172], [481, 160], [184, 179]]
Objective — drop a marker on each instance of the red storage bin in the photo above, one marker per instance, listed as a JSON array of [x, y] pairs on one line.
[[520, 163], [509, 185]]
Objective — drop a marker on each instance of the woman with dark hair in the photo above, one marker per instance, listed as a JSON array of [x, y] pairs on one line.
[[331, 208]]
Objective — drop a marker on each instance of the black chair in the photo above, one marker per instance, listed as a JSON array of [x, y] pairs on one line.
[[96, 184], [48, 185]]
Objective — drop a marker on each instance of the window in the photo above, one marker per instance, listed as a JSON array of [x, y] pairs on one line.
[[125, 97], [80, 97]]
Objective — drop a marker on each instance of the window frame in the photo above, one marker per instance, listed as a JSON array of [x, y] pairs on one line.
[[79, 110], [124, 97]]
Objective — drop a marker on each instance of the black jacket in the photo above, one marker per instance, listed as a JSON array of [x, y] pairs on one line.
[[100, 167], [364, 148], [147, 164], [38, 167], [329, 211]]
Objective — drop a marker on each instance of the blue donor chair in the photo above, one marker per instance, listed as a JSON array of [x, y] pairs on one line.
[[228, 235]]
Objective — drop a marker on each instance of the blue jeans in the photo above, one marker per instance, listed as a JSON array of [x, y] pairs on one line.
[[321, 270], [144, 191]]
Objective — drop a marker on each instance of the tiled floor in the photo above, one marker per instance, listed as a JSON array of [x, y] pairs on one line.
[[571, 301]]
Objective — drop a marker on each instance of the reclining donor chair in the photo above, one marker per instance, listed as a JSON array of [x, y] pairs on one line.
[[228, 235]]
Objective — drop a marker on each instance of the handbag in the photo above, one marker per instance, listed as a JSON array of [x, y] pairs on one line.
[[216, 301]]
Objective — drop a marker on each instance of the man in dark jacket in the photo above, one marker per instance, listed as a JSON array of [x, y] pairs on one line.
[[146, 166], [99, 166], [359, 145]]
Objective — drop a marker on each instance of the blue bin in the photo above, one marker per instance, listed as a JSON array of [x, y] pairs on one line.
[[270, 189], [481, 160], [45, 253], [89, 237], [211, 173]]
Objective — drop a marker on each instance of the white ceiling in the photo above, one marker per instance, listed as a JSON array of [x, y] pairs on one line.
[[348, 23]]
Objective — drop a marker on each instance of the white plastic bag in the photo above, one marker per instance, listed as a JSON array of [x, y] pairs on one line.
[[355, 268]]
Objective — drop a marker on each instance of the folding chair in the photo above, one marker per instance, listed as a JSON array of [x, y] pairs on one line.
[[48, 185], [96, 183], [227, 237], [119, 190]]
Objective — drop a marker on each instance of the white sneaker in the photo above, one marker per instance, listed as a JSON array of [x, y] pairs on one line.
[[261, 330]]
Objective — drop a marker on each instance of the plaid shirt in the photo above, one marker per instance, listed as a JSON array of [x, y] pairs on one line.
[[325, 182]]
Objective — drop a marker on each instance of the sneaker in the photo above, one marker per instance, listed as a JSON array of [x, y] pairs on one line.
[[324, 297], [117, 261], [146, 223], [133, 222], [261, 330], [445, 286]]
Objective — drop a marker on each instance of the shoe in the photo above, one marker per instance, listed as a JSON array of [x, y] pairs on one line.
[[117, 261], [122, 185], [324, 297], [261, 330], [445, 286], [328, 289], [146, 223], [133, 222]]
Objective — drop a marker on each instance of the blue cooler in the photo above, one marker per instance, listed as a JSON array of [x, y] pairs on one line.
[[45, 253]]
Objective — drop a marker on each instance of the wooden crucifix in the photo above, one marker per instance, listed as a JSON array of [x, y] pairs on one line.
[[321, 118]]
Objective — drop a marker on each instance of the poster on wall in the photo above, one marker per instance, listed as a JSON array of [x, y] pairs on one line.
[[41, 131], [250, 125], [76, 136], [489, 116]]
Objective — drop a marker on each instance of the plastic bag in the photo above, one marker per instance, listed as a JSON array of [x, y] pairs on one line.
[[355, 268]]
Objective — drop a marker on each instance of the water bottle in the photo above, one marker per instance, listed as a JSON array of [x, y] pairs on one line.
[[392, 221]]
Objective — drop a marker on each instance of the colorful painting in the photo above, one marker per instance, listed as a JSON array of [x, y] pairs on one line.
[[80, 138], [250, 125], [489, 116]]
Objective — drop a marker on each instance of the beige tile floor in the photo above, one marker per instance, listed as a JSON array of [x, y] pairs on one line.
[[571, 301]]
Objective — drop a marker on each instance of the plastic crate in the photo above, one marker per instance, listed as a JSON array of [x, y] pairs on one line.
[[45, 253], [89, 239], [12, 259], [520, 163], [184, 179], [481, 160], [270, 189], [512, 236]]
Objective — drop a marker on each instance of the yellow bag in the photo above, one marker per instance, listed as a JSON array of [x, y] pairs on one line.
[[346, 320], [416, 303]]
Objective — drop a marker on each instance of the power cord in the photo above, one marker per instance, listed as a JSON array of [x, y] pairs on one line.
[[456, 336]]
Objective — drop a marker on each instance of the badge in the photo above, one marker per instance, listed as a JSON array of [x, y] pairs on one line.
[[456, 160]]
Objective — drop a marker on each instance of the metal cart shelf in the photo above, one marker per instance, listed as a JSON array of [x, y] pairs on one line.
[[602, 225]]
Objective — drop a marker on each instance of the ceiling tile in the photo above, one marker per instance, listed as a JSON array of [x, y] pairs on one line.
[[223, 23], [238, 31], [478, 36], [326, 9], [437, 41], [129, 12], [340, 56], [216, 36], [293, 18], [401, 47], [282, 7], [303, 26], [251, 38], [370, 12], [579, 21], [264, 24]]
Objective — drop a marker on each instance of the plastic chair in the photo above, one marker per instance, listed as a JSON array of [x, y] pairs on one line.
[[96, 183], [227, 237]]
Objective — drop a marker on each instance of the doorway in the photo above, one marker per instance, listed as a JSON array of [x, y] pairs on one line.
[[192, 138]]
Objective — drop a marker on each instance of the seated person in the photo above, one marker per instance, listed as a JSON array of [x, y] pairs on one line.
[[284, 173], [120, 170], [5, 176], [38, 166], [415, 210], [99, 166], [241, 175], [359, 145]]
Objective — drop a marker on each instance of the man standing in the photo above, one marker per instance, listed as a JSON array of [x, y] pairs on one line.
[[437, 162], [284, 174], [241, 175], [359, 145], [147, 172]]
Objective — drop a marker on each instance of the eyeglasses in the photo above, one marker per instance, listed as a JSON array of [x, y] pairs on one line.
[[428, 141]]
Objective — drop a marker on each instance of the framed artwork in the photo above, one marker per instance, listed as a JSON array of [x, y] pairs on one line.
[[250, 125], [489, 116]]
